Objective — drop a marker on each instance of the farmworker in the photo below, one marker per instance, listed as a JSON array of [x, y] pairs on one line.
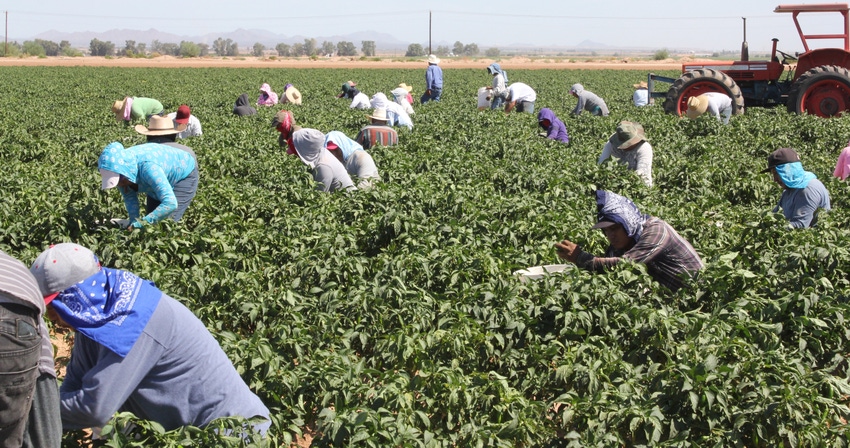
[[184, 116], [554, 127], [520, 96], [284, 123], [630, 147], [433, 80], [267, 96], [396, 116], [715, 103], [291, 95], [803, 194], [588, 101], [136, 108], [409, 89], [136, 349], [483, 98], [400, 97], [167, 175], [242, 108], [635, 237], [359, 100], [499, 89], [357, 162], [842, 166], [29, 415], [327, 170], [377, 132], [641, 95]]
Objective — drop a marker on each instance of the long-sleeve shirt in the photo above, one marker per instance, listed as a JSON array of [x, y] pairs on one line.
[[589, 101], [719, 103], [638, 159], [665, 253], [640, 97], [175, 374], [156, 180], [360, 101], [433, 77], [331, 175], [361, 167], [142, 108], [800, 205], [499, 87], [193, 127]]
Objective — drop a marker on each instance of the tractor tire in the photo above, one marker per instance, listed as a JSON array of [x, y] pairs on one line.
[[697, 82], [823, 91]]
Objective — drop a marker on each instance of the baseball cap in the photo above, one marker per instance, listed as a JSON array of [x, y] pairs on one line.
[[108, 179], [183, 114], [61, 266], [780, 157]]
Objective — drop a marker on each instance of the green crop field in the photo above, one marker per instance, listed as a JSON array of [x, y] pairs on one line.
[[391, 318]]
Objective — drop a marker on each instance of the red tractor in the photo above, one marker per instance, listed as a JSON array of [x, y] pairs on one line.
[[818, 85]]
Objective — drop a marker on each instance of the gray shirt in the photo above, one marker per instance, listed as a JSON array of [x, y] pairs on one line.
[[638, 159], [361, 166]]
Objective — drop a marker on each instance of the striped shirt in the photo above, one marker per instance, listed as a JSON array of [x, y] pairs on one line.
[[664, 252], [373, 135]]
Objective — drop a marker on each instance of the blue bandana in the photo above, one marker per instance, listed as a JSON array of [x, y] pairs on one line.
[[619, 209], [793, 175], [111, 307]]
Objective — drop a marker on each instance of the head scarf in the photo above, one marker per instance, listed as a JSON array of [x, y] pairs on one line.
[[577, 89], [615, 208], [270, 96], [400, 95], [495, 68], [310, 146], [128, 108], [111, 307], [793, 175], [346, 145], [379, 100]]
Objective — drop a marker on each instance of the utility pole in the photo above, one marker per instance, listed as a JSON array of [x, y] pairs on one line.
[[6, 46], [429, 33]]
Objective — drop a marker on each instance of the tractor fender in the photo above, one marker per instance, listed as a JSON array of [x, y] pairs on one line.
[[822, 56]]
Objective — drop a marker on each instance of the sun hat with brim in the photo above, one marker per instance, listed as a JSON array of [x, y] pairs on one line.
[[183, 114], [433, 59], [780, 157], [641, 85], [406, 87], [380, 114], [292, 95], [628, 134], [697, 105], [62, 266], [160, 126], [108, 179]]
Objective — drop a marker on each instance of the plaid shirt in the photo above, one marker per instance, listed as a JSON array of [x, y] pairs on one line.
[[373, 135], [666, 254]]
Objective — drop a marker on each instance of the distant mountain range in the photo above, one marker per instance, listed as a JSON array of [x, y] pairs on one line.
[[247, 38]]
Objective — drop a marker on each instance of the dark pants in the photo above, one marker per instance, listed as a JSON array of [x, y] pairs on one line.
[[20, 349], [184, 190], [434, 96], [44, 429]]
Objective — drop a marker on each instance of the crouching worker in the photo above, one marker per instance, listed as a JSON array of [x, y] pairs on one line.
[[168, 176], [136, 349], [636, 237], [357, 162]]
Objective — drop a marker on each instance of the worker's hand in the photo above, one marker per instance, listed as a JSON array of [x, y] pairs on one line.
[[122, 223], [568, 250]]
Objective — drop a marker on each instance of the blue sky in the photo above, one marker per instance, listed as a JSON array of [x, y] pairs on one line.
[[653, 24]]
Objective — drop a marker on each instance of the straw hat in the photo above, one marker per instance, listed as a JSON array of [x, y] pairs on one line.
[[292, 95], [380, 114], [406, 87], [118, 109], [160, 125], [641, 85], [697, 105], [433, 59]]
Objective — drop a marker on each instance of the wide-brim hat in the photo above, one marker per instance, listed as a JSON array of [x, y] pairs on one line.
[[118, 109], [780, 157], [628, 134], [380, 114], [433, 59], [406, 87], [292, 95], [160, 125], [697, 105], [641, 85]]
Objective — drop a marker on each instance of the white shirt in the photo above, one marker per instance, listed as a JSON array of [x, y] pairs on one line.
[[719, 103], [640, 97], [521, 92], [193, 127], [360, 101], [638, 160]]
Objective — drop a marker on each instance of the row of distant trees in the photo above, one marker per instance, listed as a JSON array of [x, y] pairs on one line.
[[459, 49], [39, 47]]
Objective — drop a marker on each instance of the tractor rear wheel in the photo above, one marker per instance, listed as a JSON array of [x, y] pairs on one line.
[[823, 91], [697, 82]]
